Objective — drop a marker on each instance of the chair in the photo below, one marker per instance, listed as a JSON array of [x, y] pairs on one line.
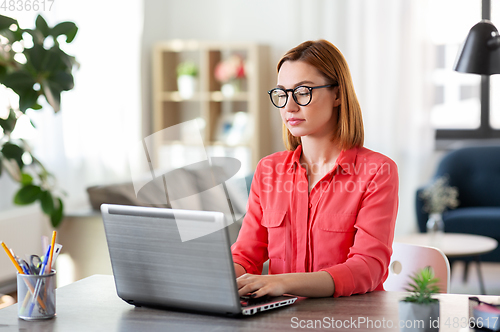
[[6, 300], [407, 259], [475, 171]]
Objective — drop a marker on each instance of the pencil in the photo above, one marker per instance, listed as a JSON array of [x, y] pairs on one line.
[[12, 258], [54, 233], [20, 272]]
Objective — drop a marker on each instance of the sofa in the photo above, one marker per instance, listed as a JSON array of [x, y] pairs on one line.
[[475, 171]]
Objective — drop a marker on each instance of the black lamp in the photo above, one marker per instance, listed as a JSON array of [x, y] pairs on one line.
[[480, 54]]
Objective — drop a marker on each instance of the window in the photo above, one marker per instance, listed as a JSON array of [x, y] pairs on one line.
[[457, 112], [495, 79]]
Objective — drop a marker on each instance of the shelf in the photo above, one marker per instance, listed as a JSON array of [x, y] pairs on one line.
[[216, 96], [176, 96], [210, 143], [209, 102], [219, 96]]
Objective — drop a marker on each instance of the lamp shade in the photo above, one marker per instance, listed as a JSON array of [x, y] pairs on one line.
[[480, 53]]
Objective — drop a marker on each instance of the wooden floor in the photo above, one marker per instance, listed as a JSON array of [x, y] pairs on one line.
[[491, 276]]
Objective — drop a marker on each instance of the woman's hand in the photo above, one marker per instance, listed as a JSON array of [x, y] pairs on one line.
[[260, 285], [311, 284]]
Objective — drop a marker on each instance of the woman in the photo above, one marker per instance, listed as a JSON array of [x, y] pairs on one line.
[[323, 211]]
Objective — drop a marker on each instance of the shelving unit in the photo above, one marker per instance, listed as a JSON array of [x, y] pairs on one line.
[[209, 103]]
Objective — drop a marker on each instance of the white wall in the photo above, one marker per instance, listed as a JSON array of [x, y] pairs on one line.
[[21, 230]]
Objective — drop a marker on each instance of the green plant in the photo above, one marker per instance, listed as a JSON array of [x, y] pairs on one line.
[[423, 286], [187, 68], [439, 196], [40, 69]]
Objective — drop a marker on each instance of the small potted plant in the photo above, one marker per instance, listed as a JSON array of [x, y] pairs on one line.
[[420, 311], [438, 197], [186, 79]]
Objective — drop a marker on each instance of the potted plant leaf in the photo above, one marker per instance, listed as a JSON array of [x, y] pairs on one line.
[[186, 79], [33, 66], [420, 311]]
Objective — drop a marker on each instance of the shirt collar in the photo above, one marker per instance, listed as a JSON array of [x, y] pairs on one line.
[[295, 158], [346, 160]]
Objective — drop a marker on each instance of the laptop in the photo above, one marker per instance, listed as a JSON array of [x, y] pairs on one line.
[[154, 267]]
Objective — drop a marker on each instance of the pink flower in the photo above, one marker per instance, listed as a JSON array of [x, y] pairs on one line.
[[230, 69]]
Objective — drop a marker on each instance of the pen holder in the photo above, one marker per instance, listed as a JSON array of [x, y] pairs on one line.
[[36, 296]]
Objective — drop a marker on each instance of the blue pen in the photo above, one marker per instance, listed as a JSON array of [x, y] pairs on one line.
[[39, 282], [25, 269], [45, 260]]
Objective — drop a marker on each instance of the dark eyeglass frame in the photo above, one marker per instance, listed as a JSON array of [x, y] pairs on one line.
[[270, 92]]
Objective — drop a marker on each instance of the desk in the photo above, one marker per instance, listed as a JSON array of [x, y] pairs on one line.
[[91, 304], [456, 245]]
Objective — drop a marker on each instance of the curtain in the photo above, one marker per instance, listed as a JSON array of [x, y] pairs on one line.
[[87, 142]]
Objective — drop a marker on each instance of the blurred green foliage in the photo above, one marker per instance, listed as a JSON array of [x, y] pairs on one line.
[[39, 70]]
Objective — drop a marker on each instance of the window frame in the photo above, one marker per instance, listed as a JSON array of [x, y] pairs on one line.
[[485, 130]]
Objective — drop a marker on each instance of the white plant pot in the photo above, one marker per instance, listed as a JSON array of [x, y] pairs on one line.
[[228, 90], [418, 317], [187, 86]]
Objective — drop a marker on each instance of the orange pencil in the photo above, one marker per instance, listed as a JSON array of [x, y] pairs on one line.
[[54, 233], [21, 272], [12, 258]]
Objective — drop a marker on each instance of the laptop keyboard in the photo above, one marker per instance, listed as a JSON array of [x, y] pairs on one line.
[[247, 300]]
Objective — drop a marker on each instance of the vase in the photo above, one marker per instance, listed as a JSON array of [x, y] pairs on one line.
[[186, 85], [435, 224], [230, 88], [435, 228], [418, 317]]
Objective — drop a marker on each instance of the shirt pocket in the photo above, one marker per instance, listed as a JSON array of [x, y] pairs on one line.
[[338, 223], [274, 221], [334, 236]]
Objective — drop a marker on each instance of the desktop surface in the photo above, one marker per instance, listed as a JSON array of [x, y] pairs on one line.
[[92, 304]]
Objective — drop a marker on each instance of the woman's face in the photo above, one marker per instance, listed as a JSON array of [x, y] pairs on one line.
[[319, 117]]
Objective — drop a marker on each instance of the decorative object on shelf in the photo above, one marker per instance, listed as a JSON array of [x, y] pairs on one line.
[[438, 197], [187, 82], [28, 72], [235, 128], [230, 72], [420, 309]]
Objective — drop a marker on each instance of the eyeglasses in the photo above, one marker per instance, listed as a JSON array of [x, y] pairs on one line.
[[301, 94]]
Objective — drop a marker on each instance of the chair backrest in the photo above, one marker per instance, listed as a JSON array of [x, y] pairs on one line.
[[475, 171], [407, 259]]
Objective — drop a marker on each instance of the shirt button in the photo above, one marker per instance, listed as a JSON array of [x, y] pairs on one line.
[[310, 205]]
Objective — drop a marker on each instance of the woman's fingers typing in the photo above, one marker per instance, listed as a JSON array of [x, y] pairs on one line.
[[260, 285]]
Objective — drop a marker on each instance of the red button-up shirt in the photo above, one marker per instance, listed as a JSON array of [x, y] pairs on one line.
[[344, 226]]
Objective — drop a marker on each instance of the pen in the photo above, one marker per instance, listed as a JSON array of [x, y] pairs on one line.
[[20, 270], [20, 262], [39, 282], [12, 258], [45, 259], [52, 245]]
